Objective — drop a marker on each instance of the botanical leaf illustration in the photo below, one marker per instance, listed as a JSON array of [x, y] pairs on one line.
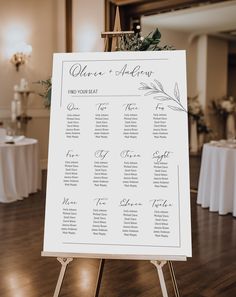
[[176, 92], [153, 86], [159, 85], [175, 108], [157, 88], [151, 92], [162, 98], [144, 85]]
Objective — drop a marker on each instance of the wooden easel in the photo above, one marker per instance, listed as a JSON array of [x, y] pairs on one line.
[[158, 262], [116, 34]]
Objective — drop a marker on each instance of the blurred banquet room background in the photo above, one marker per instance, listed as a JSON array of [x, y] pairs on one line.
[[30, 32]]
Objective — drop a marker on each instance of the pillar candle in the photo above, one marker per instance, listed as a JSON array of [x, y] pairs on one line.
[[16, 96], [18, 107], [13, 110]]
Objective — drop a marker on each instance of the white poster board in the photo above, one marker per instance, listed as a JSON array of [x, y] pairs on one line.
[[118, 171]]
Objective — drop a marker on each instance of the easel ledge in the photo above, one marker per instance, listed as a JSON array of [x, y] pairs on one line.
[[116, 34], [114, 257]]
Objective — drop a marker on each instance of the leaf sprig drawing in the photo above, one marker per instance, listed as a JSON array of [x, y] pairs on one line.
[[156, 88]]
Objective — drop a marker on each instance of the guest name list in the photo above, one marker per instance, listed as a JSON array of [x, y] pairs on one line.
[[118, 156]]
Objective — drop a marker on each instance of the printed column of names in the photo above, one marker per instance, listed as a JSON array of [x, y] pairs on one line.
[[130, 226]]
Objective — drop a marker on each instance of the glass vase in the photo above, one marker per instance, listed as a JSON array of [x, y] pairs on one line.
[[193, 136], [230, 126]]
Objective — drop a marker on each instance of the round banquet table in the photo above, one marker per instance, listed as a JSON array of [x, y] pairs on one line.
[[20, 174], [217, 181]]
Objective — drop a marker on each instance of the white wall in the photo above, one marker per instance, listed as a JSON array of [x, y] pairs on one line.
[[88, 23]]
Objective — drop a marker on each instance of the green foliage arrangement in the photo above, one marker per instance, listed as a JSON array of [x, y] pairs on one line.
[[47, 91], [148, 43]]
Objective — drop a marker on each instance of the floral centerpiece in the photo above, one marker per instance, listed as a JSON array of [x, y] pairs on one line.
[[226, 107], [196, 113], [198, 126], [194, 108]]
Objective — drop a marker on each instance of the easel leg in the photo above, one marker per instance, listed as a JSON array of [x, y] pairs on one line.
[[106, 46], [64, 262], [159, 265], [99, 278], [172, 273]]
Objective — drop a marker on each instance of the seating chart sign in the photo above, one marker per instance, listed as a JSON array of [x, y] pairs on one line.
[[118, 172]]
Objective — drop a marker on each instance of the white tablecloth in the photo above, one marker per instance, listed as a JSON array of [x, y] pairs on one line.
[[19, 170], [217, 181]]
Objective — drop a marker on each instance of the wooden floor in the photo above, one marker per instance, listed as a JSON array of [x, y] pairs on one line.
[[211, 272]]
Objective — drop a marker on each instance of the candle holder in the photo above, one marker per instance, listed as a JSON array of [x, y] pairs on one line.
[[22, 118]]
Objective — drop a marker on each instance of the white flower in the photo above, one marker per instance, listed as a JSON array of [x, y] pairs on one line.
[[228, 105], [194, 106]]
